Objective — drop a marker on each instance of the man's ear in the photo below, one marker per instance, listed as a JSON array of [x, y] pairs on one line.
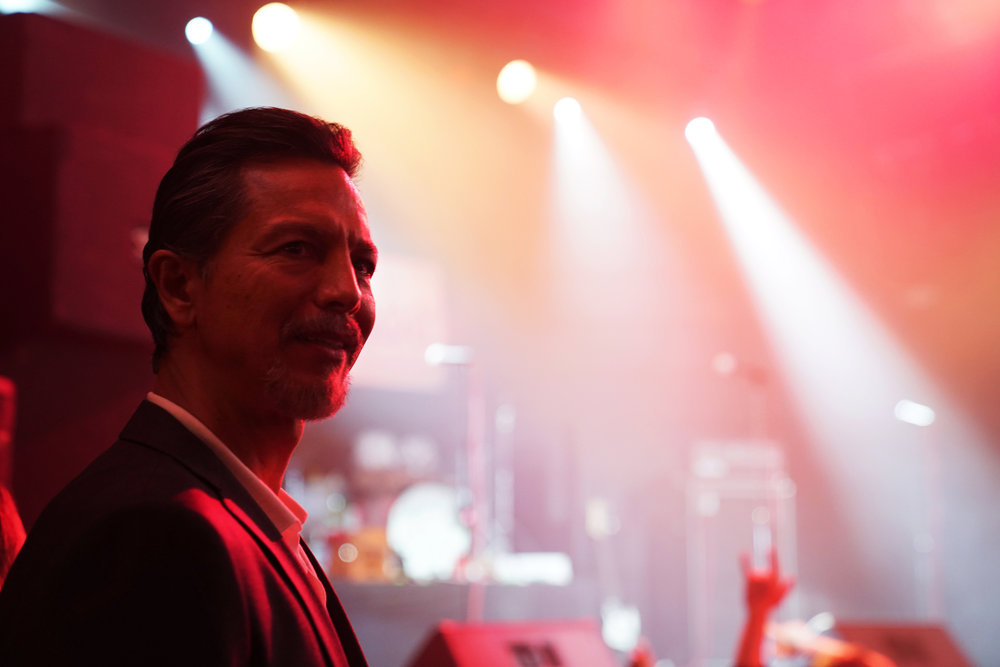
[[176, 280]]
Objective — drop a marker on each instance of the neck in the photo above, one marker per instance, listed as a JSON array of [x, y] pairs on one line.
[[263, 440]]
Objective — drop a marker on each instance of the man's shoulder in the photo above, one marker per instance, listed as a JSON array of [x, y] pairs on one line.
[[125, 490], [133, 507], [129, 474], [156, 471], [155, 459], [94, 566]]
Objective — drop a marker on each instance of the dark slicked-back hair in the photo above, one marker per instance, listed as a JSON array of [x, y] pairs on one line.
[[202, 196]]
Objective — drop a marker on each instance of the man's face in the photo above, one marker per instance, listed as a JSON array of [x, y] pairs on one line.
[[286, 303]]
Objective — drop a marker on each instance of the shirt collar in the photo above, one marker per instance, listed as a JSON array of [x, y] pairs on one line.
[[283, 511]]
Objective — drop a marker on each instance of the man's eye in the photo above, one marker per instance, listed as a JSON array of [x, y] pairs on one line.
[[295, 248], [364, 267]]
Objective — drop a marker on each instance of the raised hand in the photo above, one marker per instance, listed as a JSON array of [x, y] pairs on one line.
[[765, 589]]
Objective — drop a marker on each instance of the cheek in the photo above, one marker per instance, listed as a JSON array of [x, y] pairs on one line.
[[230, 292], [253, 317], [258, 298], [243, 292]]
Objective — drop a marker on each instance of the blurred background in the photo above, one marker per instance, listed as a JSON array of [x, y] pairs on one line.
[[615, 347]]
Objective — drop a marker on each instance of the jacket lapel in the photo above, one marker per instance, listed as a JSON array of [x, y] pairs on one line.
[[152, 426], [348, 640], [288, 565]]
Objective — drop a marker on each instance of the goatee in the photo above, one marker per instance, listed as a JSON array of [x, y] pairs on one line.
[[310, 401]]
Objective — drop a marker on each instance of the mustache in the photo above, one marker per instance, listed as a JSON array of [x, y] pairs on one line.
[[333, 330]]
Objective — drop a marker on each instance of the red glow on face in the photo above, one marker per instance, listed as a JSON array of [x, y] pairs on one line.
[[287, 303]]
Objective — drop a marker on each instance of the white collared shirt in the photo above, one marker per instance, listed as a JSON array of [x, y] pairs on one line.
[[283, 511]]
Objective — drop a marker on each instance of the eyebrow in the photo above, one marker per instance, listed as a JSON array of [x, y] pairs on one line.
[[285, 227]]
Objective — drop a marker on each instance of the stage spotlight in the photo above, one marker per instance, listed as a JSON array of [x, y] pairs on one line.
[[234, 80], [516, 81], [699, 129], [567, 109], [275, 26], [19, 6], [198, 30]]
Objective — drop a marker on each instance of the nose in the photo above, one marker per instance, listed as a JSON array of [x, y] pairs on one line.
[[338, 288]]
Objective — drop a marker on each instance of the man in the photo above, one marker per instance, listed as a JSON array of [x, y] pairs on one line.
[[178, 546]]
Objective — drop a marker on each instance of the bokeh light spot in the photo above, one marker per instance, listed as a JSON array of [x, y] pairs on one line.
[[198, 30], [275, 27], [516, 81]]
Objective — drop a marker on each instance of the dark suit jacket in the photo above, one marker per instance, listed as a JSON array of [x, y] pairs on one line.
[[157, 555]]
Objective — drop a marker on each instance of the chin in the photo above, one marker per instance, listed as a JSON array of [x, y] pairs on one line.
[[310, 401]]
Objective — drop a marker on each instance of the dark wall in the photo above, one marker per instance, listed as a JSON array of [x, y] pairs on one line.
[[75, 392], [89, 123]]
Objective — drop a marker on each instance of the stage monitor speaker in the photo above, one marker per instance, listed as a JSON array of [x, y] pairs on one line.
[[562, 643], [906, 644]]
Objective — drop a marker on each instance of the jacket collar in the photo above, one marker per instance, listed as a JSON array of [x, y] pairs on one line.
[[152, 426]]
